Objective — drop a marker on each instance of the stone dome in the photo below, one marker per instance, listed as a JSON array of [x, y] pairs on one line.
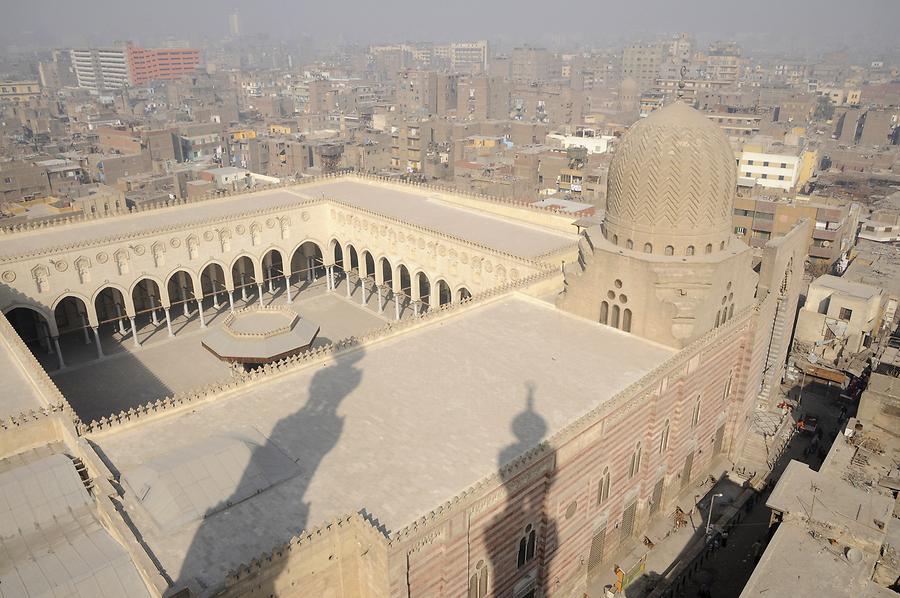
[[671, 185]]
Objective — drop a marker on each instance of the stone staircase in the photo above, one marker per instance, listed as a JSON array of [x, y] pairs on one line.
[[774, 354]]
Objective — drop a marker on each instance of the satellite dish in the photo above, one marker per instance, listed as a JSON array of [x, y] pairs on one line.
[[854, 555]]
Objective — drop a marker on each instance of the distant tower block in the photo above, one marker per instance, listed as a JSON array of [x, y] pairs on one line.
[[234, 24]]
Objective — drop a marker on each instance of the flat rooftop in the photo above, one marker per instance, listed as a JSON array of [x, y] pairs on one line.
[[848, 287], [413, 205], [18, 393], [396, 429], [426, 208]]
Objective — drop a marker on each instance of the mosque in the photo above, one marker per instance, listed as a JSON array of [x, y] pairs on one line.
[[490, 399]]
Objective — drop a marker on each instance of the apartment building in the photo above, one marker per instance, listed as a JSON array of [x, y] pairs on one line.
[[774, 165], [531, 65], [641, 62], [756, 220], [19, 91], [467, 57], [101, 68], [736, 124], [116, 67]]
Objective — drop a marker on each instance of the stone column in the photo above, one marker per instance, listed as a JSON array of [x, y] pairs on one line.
[[329, 273], [310, 265], [153, 317], [260, 287], [168, 322], [121, 319], [62, 363], [134, 333], [379, 290], [271, 276], [244, 287], [348, 284], [287, 288], [200, 313], [416, 308], [87, 336], [362, 286], [231, 301], [184, 306], [215, 297], [97, 342], [434, 300], [397, 306]]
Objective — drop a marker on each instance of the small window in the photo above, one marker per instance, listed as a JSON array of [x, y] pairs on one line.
[[635, 465], [603, 489], [648, 248], [709, 248], [614, 320], [765, 163], [845, 314], [664, 438], [604, 312], [626, 320], [670, 250], [695, 416], [689, 250], [784, 164], [749, 162], [615, 239], [526, 546], [629, 244]]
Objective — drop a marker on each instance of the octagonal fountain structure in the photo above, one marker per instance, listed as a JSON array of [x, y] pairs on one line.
[[258, 335]]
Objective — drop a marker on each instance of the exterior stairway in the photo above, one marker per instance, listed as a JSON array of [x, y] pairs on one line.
[[774, 354]]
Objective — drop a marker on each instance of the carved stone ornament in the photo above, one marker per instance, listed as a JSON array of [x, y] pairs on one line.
[[60, 265], [175, 242], [270, 223], [240, 229], [9, 276], [208, 236], [305, 216], [139, 249], [102, 257]]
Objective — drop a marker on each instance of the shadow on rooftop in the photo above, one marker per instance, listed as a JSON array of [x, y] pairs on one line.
[[520, 539], [317, 418]]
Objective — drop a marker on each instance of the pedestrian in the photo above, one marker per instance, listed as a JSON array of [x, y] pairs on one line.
[[756, 551], [620, 578], [724, 538]]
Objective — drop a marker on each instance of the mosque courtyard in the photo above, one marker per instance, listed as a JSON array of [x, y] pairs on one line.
[[127, 376]]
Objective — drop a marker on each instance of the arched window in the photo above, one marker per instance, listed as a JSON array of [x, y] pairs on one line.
[[722, 246], [478, 583], [603, 489], [604, 312], [526, 546], [629, 244], [718, 318], [731, 311], [664, 438], [689, 250], [626, 320], [709, 248], [615, 239], [635, 465], [695, 416], [614, 320], [670, 250], [728, 385], [648, 248]]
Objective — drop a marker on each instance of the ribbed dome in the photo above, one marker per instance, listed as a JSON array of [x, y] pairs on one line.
[[671, 185]]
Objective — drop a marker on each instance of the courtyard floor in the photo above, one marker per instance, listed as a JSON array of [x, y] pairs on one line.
[[128, 376]]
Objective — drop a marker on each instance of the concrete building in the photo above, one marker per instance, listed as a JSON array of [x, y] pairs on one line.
[[19, 91], [660, 341], [757, 220], [834, 532], [641, 62], [468, 57], [839, 319], [531, 65], [771, 164], [115, 67]]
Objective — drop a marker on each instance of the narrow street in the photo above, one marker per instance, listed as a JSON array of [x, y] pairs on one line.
[[727, 570]]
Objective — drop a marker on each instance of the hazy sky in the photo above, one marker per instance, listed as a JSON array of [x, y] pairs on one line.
[[872, 23]]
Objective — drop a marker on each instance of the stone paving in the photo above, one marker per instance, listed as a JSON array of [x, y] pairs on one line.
[[129, 376]]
